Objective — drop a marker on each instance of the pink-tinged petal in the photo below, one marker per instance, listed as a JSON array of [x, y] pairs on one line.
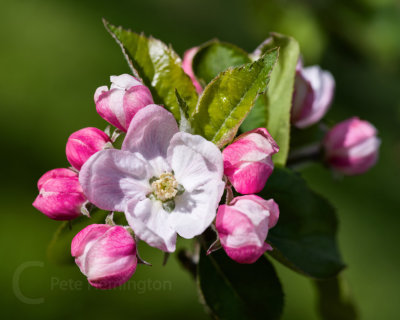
[[323, 85], [247, 161], [150, 132], [124, 81], [135, 99], [99, 91], [85, 238], [243, 227], [83, 143], [349, 133], [111, 178], [247, 254], [56, 173], [112, 259], [124, 99], [187, 66], [357, 159], [105, 254], [60, 206], [194, 211], [351, 147], [313, 96], [60, 195], [150, 223], [251, 177], [109, 105], [303, 98], [194, 160], [251, 146]]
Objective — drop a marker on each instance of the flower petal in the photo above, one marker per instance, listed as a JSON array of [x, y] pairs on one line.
[[110, 178], [194, 160], [150, 223], [111, 260], [150, 133], [109, 106], [84, 240], [194, 211], [124, 81]]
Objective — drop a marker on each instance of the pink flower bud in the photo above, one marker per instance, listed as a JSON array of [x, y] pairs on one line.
[[60, 195], [312, 96], [351, 147], [105, 254], [84, 143], [125, 98], [187, 66], [247, 161], [243, 227]]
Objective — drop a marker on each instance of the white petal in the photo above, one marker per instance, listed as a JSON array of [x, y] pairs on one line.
[[150, 223], [150, 132], [194, 211], [124, 81], [194, 160], [111, 178]]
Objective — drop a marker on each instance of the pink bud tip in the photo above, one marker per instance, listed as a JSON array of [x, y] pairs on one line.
[[352, 147], [312, 96], [247, 161], [105, 254], [126, 97], [243, 227], [60, 195], [84, 143]]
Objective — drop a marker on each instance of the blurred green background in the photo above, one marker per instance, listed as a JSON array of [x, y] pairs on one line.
[[53, 56]]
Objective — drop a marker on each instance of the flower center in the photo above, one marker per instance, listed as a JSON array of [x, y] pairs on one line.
[[165, 187]]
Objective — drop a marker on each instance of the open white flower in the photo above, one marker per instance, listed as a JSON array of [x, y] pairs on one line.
[[167, 182]]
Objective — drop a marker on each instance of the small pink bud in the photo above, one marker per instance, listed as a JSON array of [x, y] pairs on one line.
[[84, 143], [125, 98], [60, 195], [312, 96], [243, 227], [247, 161], [351, 147], [187, 66], [105, 254]]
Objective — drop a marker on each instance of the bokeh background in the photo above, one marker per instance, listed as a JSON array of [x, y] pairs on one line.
[[54, 54]]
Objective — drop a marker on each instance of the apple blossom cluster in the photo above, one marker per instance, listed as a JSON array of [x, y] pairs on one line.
[[167, 183]]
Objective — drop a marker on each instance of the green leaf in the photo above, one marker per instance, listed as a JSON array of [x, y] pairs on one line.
[[276, 109], [214, 57], [59, 249], [227, 100], [335, 300], [158, 66], [304, 238], [182, 104], [257, 118], [239, 291]]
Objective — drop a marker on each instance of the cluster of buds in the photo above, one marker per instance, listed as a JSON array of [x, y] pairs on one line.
[[60, 195], [105, 254], [243, 223], [351, 147]]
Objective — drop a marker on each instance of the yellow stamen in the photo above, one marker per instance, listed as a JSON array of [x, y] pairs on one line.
[[165, 187]]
